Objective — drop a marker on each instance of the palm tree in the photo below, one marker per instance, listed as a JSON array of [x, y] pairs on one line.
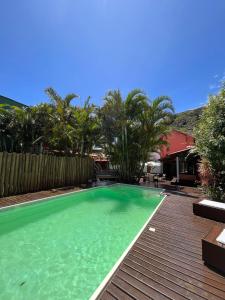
[[132, 128], [17, 129], [6, 137], [86, 130], [62, 119], [62, 105], [155, 124]]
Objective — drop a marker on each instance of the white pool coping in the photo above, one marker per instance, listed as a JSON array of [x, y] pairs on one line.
[[118, 262]]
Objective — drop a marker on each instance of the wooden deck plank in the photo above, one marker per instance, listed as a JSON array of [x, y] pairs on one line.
[[142, 287], [116, 292], [170, 251], [170, 237], [186, 271], [167, 263], [169, 245], [203, 272], [160, 283], [178, 278], [129, 289], [108, 296]]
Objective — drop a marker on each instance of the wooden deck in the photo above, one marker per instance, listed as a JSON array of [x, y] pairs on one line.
[[17, 199], [167, 263]]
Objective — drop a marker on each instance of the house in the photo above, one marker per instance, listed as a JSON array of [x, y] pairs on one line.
[[9, 102], [178, 163]]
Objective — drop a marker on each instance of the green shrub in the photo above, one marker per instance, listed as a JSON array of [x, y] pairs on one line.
[[210, 144]]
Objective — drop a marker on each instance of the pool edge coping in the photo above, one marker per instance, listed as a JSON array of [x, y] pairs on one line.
[[107, 278]]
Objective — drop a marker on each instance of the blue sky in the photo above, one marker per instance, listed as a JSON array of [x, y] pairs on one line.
[[170, 47]]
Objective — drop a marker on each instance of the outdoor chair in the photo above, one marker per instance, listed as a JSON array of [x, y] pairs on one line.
[[210, 209]]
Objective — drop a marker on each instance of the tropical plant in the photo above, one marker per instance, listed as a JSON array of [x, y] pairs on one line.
[[210, 143], [62, 105], [58, 126], [62, 118], [132, 128], [6, 140], [16, 124], [22, 128], [87, 127], [205, 173], [128, 129]]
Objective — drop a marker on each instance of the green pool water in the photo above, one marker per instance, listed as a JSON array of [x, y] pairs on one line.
[[63, 248]]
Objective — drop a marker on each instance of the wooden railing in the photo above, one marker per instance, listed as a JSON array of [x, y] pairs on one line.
[[25, 172]]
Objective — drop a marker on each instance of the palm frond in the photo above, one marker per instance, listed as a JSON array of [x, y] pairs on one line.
[[69, 98], [163, 102], [53, 95]]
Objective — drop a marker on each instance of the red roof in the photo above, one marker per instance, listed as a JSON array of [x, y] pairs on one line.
[[178, 141]]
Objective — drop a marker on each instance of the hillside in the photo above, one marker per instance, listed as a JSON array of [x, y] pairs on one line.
[[186, 121], [9, 102]]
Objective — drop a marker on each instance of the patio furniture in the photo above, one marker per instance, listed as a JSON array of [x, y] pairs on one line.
[[174, 180], [210, 209], [213, 248]]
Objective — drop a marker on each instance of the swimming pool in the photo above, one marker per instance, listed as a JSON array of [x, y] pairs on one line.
[[63, 248]]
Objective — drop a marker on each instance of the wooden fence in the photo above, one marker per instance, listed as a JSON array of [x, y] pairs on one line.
[[25, 172]]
